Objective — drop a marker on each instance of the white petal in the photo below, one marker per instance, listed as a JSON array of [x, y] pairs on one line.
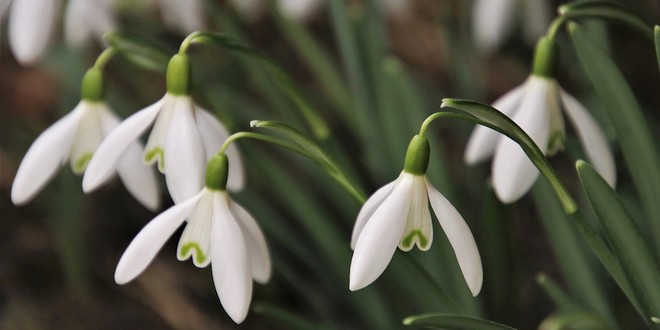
[[250, 10], [31, 25], [138, 179], [186, 16], [110, 152], [47, 154], [492, 21], [368, 209], [214, 135], [536, 19], [255, 241], [85, 19], [379, 238], [460, 237], [184, 153], [4, 6], [230, 261], [298, 9], [88, 136], [151, 239], [419, 229], [195, 240], [512, 171], [591, 137], [483, 140]]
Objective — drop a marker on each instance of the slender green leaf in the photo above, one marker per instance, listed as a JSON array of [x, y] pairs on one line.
[[576, 267], [458, 322], [506, 126], [561, 299], [279, 75], [574, 319], [636, 140], [628, 244], [139, 50]]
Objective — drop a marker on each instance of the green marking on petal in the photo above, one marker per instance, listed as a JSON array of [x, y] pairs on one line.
[[80, 164], [556, 142], [409, 240], [155, 154], [200, 257]]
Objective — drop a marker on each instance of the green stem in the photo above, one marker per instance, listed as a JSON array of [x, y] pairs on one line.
[[187, 42], [104, 58]]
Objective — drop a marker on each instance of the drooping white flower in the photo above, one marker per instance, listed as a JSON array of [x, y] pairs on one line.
[[85, 20], [219, 232], [185, 16], [31, 27], [493, 21], [75, 137], [536, 107], [183, 138], [398, 215]]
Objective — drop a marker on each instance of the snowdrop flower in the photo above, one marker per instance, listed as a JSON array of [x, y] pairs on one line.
[[31, 27], [75, 138], [185, 16], [536, 107], [219, 232], [493, 21], [88, 19], [183, 137], [398, 215]]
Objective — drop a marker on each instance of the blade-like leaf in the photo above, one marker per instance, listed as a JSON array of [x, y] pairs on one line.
[[637, 144], [628, 244], [606, 10], [656, 32], [458, 322], [139, 50], [506, 126]]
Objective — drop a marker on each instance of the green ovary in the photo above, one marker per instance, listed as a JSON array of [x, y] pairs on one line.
[[407, 241], [80, 164], [200, 257]]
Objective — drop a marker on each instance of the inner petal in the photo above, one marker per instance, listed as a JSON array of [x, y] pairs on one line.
[[195, 239], [87, 139], [419, 228], [153, 151]]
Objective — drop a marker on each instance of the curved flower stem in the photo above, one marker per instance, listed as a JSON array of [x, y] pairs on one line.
[[104, 58]]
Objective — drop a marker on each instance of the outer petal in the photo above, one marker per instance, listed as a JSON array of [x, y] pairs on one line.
[[138, 179], [230, 261], [31, 25], [298, 9], [184, 153], [214, 135], [536, 18], [591, 137], [460, 237], [87, 18], [492, 21], [196, 238], [48, 152], [151, 239], [379, 238], [369, 208], [483, 140], [513, 173], [255, 241], [186, 16], [107, 156]]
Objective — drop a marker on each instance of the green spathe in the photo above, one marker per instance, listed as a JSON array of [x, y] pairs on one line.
[[178, 75], [92, 85], [417, 156], [216, 172]]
